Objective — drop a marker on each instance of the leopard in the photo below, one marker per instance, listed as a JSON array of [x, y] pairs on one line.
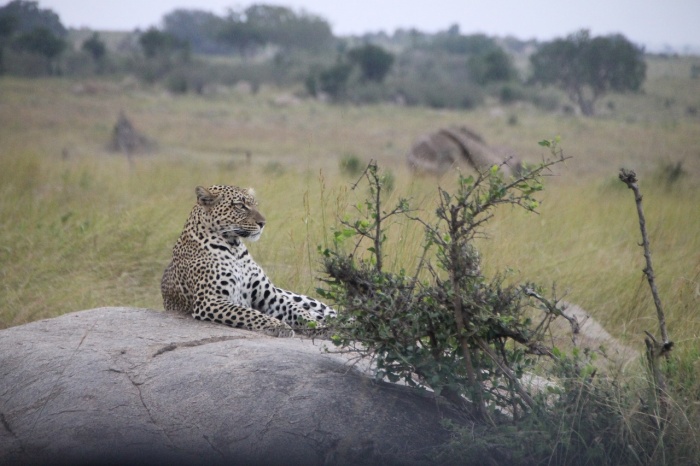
[[213, 277]]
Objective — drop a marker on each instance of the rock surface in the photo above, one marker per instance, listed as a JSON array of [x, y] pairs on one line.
[[592, 335], [439, 151], [135, 386]]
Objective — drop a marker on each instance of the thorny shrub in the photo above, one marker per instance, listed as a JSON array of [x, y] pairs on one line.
[[475, 340], [458, 333]]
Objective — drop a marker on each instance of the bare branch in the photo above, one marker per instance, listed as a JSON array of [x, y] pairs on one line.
[[629, 177]]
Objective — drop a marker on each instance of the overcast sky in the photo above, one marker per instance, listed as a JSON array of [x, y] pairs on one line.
[[653, 23]]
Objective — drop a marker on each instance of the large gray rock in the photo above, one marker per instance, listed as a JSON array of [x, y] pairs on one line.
[[440, 151], [121, 385]]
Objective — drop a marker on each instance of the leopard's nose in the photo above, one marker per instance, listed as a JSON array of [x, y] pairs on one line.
[[259, 219]]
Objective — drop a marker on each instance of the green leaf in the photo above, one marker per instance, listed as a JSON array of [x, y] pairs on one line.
[[545, 143], [446, 196]]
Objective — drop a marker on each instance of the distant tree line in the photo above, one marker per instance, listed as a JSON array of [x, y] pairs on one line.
[[446, 69], [247, 31]]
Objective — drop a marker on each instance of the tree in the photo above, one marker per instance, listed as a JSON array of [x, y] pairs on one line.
[[7, 28], [259, 25], [239, 34], [198, 28], [587, 68], [8, 24], [157, 43], [32, 29], [455, 43], [28, 17], [486, 60], [374, 62], [43, 42], [332, 80], [95, 47], [492, 66], [288, 29]]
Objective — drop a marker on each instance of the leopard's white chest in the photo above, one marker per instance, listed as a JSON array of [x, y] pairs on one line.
[[239, 278]]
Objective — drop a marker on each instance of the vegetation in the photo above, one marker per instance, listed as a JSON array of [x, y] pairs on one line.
[[493, 66], [31, 30], [26, 16], [200, 29], [197, 50], [262, 25], [55, 133], [158, 44], [374, 61], [81, 227], [332, 80], [587, 68], [61, 253], [458, 332], [95, 47], [41, 41], [476, 341]]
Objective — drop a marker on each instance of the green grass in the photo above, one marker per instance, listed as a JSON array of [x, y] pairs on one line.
[[586, 241], [83, 228]]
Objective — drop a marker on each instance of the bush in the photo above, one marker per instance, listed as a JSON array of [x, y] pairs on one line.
[[510, 93], [156, 43], [95, 47], [474, 340], [42, 42], [177, 83], [332, 80], [492, 66], [547, 100], [374, 62], [439, 94], [460, 334], [351, 165]]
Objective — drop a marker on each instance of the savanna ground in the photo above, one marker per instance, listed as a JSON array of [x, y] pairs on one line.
[[82, 227]]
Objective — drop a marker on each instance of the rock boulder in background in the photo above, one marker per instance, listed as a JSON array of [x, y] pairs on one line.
[[435, 153]]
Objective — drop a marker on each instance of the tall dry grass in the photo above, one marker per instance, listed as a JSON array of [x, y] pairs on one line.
[[84, 228], [586, 241]]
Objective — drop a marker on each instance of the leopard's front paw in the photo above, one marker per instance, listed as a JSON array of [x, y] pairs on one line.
[[281, 331]]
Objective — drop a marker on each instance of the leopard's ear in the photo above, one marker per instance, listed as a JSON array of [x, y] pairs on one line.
[[251, 191], [204, 197]]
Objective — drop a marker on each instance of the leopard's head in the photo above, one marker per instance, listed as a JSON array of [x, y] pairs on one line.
[[231, 212]]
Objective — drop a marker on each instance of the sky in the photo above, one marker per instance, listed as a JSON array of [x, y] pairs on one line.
[[652, 23]]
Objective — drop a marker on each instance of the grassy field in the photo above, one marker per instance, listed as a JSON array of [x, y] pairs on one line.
[[82, 228]]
